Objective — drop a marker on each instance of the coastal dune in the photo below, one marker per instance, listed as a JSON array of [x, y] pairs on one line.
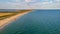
[[6, 21]]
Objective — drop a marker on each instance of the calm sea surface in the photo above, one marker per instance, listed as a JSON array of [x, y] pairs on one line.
[[36, 22]]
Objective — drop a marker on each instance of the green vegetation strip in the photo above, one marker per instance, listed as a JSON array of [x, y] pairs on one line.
[[6, 16], [14, 13]]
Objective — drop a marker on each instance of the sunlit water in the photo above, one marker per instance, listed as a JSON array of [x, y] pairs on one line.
[[36, 22]]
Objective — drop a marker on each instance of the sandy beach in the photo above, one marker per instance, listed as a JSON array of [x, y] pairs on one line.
[[6, 21]]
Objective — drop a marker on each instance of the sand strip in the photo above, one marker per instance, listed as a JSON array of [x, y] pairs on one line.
[[9, 20]]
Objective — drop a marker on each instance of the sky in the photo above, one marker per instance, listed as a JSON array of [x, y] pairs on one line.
[[29, 4]]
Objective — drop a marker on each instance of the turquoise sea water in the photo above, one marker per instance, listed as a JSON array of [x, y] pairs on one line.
[[36, 22]]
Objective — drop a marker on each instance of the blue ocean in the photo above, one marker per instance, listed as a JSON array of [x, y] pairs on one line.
[[35, 22]]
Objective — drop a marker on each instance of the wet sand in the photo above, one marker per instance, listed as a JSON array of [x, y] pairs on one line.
[[10, 19]]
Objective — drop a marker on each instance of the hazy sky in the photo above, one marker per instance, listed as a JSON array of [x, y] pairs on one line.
[[29, 4]]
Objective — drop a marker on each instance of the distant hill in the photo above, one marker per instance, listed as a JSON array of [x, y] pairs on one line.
[[8, 10], [13, 10]]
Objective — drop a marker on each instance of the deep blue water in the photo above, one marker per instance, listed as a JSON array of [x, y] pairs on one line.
[[36, 22]]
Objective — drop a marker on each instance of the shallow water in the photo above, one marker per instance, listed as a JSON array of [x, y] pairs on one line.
[[35, 22]]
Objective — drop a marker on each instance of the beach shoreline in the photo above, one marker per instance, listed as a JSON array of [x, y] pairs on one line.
[[6, 21]]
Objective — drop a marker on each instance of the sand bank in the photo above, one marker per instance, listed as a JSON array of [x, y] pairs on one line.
[[10, 19]]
